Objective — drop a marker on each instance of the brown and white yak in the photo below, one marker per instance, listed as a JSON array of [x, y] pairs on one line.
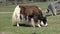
[[31, 14]]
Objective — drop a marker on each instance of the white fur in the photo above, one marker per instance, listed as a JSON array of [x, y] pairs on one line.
[[46, 24], [40, 8], [32, 22], [17, 24], [42, 23], [38, 25], [16, 15]]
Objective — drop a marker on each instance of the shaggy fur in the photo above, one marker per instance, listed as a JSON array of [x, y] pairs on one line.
[[31, 14]]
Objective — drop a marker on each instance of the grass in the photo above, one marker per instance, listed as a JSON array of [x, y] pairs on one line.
[[10, 8], [7, 28], [7, 8]]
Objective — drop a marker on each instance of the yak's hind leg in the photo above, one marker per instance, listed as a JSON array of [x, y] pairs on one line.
[[14, 20]]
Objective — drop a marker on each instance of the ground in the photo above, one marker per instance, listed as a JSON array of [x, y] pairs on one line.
[[7, 28]]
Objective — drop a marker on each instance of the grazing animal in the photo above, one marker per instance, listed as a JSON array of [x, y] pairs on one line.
[[31, 14], [54, 7]]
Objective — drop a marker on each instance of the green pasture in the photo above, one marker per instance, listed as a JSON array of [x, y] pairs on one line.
[[7, 28], [7, 8], [10, 8]]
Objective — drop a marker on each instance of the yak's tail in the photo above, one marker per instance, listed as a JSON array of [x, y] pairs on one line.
[[16, 16]]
